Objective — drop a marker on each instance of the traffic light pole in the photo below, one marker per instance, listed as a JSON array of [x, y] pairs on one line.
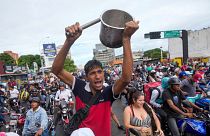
[[172, 34], [185, 45]]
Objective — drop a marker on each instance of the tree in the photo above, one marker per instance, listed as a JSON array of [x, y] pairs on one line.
[[69, 65], [7, 59], [29, 59], [155, 53]]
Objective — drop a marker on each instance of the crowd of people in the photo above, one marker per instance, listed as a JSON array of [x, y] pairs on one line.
[[96, 88]]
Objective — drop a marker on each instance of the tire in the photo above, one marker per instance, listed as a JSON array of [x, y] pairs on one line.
[[59, 129]]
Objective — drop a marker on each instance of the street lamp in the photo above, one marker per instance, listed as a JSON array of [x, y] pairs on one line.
[[161, 54]]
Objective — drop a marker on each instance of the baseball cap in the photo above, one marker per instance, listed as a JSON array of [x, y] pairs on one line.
[[197, 77], [183, 73], [83, 132], [35, 99], [153, 71]]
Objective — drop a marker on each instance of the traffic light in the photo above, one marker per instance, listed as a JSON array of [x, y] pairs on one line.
[[155, 35]]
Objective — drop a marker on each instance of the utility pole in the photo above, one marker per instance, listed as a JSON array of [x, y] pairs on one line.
[[161, 53]]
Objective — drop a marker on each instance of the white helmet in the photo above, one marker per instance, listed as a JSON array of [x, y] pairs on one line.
[[83, 132]]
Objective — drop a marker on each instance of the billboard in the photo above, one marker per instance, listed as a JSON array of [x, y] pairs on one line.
[[49, 50]]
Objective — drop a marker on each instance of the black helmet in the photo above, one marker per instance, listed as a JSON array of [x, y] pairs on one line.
[[34, 90], [173, 81]]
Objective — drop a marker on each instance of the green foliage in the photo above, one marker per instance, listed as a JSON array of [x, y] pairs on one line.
[[7, 59], [155, 53], [69, 65], [29, 59]]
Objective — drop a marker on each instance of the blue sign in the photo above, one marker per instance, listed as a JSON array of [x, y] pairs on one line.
[[49, 50]]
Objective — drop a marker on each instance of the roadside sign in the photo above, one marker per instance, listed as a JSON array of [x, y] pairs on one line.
[[172, 34]]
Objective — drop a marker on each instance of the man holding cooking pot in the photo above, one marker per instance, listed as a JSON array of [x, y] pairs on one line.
[[98, 118]]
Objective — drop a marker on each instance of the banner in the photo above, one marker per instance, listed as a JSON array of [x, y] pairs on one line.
[[8, 69], [11, 69], [49, 50]]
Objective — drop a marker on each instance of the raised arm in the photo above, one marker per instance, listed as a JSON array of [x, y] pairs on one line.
[[58, 64], [127, 66]]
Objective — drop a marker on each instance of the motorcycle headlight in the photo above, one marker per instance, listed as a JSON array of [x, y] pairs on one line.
[[64, 111]]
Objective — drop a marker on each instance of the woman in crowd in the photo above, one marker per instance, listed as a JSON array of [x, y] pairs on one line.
[[141, 117]]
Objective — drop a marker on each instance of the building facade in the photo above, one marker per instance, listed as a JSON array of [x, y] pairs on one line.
[[198, 44], [103, 54], [12, 54], [137, 55]]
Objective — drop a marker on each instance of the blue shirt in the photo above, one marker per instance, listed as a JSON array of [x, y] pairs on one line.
[[35, 120]]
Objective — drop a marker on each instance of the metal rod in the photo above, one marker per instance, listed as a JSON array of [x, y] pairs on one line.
[[90, 23], [87, 25]]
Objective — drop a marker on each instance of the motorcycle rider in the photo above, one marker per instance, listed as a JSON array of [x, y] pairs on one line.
[[190, 85], [36, 120], [63, 93], [2, 94], [34, 93], [172, 105], [156, 100], [13, 96]]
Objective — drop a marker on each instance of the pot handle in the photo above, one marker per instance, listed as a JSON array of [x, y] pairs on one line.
[[87, 25]]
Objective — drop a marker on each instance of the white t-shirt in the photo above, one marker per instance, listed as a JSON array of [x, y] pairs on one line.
[[14, 93], [65, 94]]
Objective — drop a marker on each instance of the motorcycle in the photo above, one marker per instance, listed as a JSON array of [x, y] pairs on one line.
[[4, 117], [14, 104], [51, 126], [199, 125], [203, 103], [17, 120], [50, 103], [63, 116], [205, 86]]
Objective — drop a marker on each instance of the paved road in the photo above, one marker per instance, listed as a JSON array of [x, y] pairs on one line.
[[117, 107]]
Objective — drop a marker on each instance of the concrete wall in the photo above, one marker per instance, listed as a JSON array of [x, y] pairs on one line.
[[198, 44]]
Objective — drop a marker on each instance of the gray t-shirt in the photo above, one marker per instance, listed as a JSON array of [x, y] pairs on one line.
[[188, 87]]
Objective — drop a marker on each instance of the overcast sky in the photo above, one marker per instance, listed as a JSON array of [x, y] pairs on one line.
[[26, 24]]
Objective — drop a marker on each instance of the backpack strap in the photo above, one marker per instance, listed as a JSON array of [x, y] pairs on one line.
[[94, 98], [155, 88]]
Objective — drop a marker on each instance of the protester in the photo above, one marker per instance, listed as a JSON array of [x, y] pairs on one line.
[[156, 100], [63, 93], [172, 105], [98, 119], [140, 116], [36, 120], [190, 85]]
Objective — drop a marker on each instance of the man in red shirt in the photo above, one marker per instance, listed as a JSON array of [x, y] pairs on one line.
[[98, 119]]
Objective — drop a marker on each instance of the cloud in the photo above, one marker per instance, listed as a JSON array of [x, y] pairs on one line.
[[26, 24]]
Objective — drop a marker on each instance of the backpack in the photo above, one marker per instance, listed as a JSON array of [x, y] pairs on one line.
[[24, 95], [148, 88]]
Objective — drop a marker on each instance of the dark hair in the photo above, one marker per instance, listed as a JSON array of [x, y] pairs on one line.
[[149, 111], [91, 64], [134, 95]]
